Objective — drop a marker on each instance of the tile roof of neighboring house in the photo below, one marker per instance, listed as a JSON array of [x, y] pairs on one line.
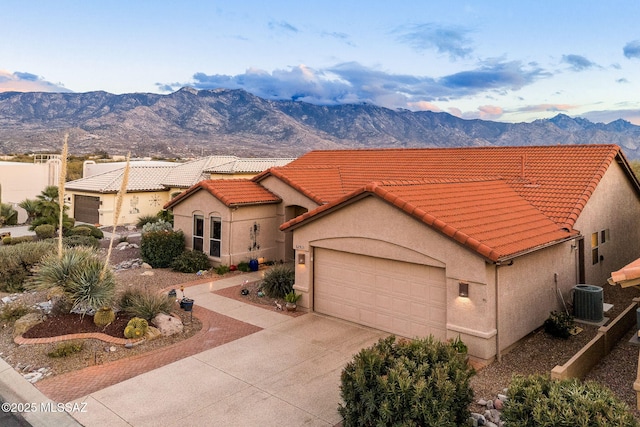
[[487, 216], [187, 174], [558, 180], [141, 178], [629, 275], [248, 165], [231, 192]]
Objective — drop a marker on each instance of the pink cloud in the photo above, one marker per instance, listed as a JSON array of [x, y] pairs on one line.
[[423, 106]]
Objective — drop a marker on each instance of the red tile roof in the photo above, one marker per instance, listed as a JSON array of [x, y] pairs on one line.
[[498, 201], [558, 180], [231, 192]]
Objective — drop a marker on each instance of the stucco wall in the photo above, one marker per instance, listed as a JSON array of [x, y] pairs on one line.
[[22, 181], [236, 225], [615, 206], [134, 205], [373, 227]]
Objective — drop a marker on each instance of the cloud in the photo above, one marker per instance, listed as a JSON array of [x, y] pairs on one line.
[[578, 62], [351, 82], [448, 40], [622, 80], [608, 116], [545, 108], [632, 49], [27, 82], [282, 26], [484, 112]]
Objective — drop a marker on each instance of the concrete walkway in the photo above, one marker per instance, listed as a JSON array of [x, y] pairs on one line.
[[281, 371]]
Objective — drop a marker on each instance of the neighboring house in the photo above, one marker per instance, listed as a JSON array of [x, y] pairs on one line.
[[150, 185], [22, 181], [472, 242]]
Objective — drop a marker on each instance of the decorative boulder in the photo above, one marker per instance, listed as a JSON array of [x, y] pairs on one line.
[[25, 323], [168, 325]]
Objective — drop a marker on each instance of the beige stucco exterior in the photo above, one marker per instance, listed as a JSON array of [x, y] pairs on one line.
[[134, 205], [236, 228]]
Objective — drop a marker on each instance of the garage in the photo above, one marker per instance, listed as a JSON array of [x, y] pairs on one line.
[[402, 298], [85, 209]]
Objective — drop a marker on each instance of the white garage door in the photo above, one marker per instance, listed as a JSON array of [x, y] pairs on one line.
[[398, 297]]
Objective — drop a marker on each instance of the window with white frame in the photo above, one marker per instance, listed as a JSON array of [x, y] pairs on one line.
[[215, 237]]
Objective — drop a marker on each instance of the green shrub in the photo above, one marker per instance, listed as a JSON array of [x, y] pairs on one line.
[[13, 311], [18, 240], [45, 231], [559, 324], [160, 248], [166, 216], [145, 304], [6, 240], [146, 219], [191, 262], [278, 281], [17, 262], [80, 230], [538, 400], [65, 349], [73, 241], [222, 269], [158, 225], [244, 267], [8, 215], [95, 231], [423, 382], [136, 328]]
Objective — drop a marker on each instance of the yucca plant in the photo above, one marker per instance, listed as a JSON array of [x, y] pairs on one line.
[[79, 273]]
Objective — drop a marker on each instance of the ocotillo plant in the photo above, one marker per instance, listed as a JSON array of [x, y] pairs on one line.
[[61, 181]]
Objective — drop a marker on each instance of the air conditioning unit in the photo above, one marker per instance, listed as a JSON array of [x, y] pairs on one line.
[[588, 303]]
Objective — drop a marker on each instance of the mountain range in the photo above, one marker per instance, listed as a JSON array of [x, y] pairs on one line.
[[191, 122]]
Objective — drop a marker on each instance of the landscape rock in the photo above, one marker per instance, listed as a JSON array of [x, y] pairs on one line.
[[25, 323], [168, 325]]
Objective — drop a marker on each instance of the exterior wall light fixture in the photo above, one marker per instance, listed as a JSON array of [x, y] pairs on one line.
[[463, 289], [302, 258]]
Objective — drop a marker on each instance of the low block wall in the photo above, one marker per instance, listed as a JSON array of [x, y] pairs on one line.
[[591, 354]]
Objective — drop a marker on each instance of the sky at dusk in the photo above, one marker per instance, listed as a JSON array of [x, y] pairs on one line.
[[512, 61]]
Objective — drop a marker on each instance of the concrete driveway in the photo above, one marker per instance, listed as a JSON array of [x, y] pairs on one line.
[[287, 374]]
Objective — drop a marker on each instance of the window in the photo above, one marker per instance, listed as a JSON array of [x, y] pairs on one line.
[[198, 232], [215, 235], [597, 240]]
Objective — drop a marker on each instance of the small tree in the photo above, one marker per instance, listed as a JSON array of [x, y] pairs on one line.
[[47, 210]]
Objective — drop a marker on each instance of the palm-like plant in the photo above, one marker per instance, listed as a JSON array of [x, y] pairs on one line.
[[8, 215], [31, 207], [78, 274], [47, 210]]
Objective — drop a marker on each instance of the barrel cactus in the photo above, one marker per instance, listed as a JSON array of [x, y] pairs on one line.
[[104, 316], [136, 328]]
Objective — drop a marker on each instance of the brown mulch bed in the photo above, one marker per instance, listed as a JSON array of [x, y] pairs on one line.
[[66, 323], [235, 292]]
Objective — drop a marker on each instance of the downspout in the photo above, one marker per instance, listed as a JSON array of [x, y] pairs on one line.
[[497, 298]]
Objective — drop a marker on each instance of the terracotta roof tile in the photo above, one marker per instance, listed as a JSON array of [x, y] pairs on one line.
[[558, 180], [231, 192]]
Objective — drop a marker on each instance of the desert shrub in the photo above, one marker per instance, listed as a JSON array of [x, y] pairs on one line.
[[13, 311], [136, 328], [191, 262], [145, 304], [18, 240], [80, 230], [222, 269], [65, 349], [166, 216], [146, 219], [158, 225], [244, 267], [421, 382], [278, 281], [160, 248], [45, 231], [8, 215], [73, 241], [80, 273], [537, 400], [559, 324], [16, 263], [95, 231]]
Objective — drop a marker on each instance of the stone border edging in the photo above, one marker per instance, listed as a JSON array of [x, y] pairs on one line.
[[85, 335]]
